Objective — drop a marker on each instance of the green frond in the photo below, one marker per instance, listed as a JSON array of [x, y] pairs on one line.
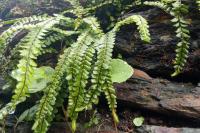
[[77, 8], [198, 4], [25, 69], [52, 38], [100, 75], [94, 24], [8, 22], [31, 47], [78, 68], [56, 35], [182, 33], [158, 4], [110, 94], [64, 32], [93, 8], [177, 9], [142, 24], [23, 23], [47, 103], [107, 86]]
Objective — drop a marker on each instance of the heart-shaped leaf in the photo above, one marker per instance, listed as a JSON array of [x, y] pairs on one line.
[[41, 77], [120, 70]]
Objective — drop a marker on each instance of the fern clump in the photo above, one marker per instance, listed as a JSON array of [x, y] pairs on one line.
[[83, 70], [86, 76]]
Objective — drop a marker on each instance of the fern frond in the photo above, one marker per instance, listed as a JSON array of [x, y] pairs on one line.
[[64, 32], [176, 9], [159, 4], [108, 89], [198, 4], [44, 113], [94, 24], [142, 24], [110, 94], [31, 47], [78, 68], [7, 63], [100, 74], [77, 8], [95, 7], [25, 69], [182, 32], [24, 23], [8, 22]]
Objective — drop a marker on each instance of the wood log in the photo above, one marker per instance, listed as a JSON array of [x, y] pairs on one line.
[[163, 96]]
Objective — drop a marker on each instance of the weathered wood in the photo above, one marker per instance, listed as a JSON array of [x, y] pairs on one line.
[[162, 96]]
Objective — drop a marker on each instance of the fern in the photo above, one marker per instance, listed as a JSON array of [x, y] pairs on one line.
[[24, 23], [25, 70], [176, 9], [30, 48], [159, 4], [100, 73], [93, 24], [182, 33], [78, 66], [44, 112], [107, 87], [83, 71], [198, 4], [78, 73], [140, 22]]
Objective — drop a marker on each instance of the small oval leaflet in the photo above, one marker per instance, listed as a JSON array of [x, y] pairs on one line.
[[138, 121]]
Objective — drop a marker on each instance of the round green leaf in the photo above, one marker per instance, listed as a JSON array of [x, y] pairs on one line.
[[41, 78], [120, 70], [138, 121]]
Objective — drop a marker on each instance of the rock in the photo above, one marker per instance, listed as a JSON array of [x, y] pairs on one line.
[[162, 96], [162, 129], [157, 58], [17, 8], [62, 127]]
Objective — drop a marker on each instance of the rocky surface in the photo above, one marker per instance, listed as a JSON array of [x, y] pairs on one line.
[[21, 8], [156, 58], [160, 129]]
